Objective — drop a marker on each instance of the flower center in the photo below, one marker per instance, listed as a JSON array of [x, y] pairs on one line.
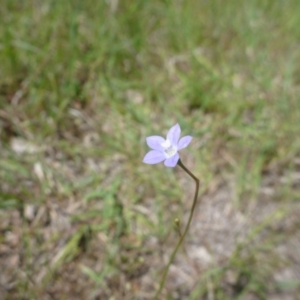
[[166, 144], [170, 151]]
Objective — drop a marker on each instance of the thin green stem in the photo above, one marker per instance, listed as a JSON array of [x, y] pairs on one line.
[[166, 271]]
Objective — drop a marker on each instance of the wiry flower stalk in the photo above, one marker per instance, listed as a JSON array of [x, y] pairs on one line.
[[166, 271]]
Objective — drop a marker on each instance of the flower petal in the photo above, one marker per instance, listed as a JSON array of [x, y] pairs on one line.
[[174, 134], [155, 141], [184, 142], [154, 157], [172, 161]]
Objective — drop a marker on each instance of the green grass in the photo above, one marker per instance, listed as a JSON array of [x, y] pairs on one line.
[[83, 83]]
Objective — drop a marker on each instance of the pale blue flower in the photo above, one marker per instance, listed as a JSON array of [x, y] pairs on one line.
[[166, 149]]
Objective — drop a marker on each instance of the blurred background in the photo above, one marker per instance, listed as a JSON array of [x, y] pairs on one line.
[[83, 83]]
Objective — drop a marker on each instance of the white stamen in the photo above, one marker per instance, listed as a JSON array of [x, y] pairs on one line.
[[170, 151]]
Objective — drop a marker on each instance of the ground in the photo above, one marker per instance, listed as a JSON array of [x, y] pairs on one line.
[[82, 84]]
